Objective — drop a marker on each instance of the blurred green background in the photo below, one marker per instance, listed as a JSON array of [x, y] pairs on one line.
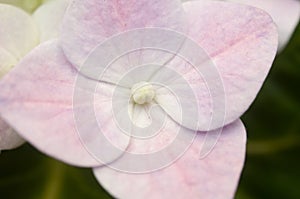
[[272, 168]]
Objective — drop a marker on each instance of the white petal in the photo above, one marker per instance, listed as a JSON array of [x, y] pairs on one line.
[[48, 17], [18, 33]]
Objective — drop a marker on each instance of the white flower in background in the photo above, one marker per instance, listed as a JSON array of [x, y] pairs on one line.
[[20, 32], [285, 13]]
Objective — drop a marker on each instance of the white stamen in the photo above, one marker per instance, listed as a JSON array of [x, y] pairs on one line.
[[142, 92]]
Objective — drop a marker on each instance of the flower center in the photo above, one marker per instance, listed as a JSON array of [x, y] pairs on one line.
[[142, 92]]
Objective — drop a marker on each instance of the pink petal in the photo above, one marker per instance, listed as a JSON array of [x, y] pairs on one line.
[[155, 146], [214, 177], [242, 43], [96, 119], [9, 139], [131, 57], [37, 100], [180, 97], [88, 23], [285, 13]]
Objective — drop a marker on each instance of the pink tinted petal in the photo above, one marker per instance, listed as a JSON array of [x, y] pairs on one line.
[[156, 146], [97, 127], [9, 139], [128, 58], [214, 177], [87, 23], [242, 43], [37, 100], [285, 13], [180, 96]]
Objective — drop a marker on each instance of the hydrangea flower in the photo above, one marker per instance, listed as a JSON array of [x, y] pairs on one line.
[[285, 13], [58, 102], [19, 34]]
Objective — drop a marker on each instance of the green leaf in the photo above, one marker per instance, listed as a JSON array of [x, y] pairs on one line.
[[26, 173], [273, 125]]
